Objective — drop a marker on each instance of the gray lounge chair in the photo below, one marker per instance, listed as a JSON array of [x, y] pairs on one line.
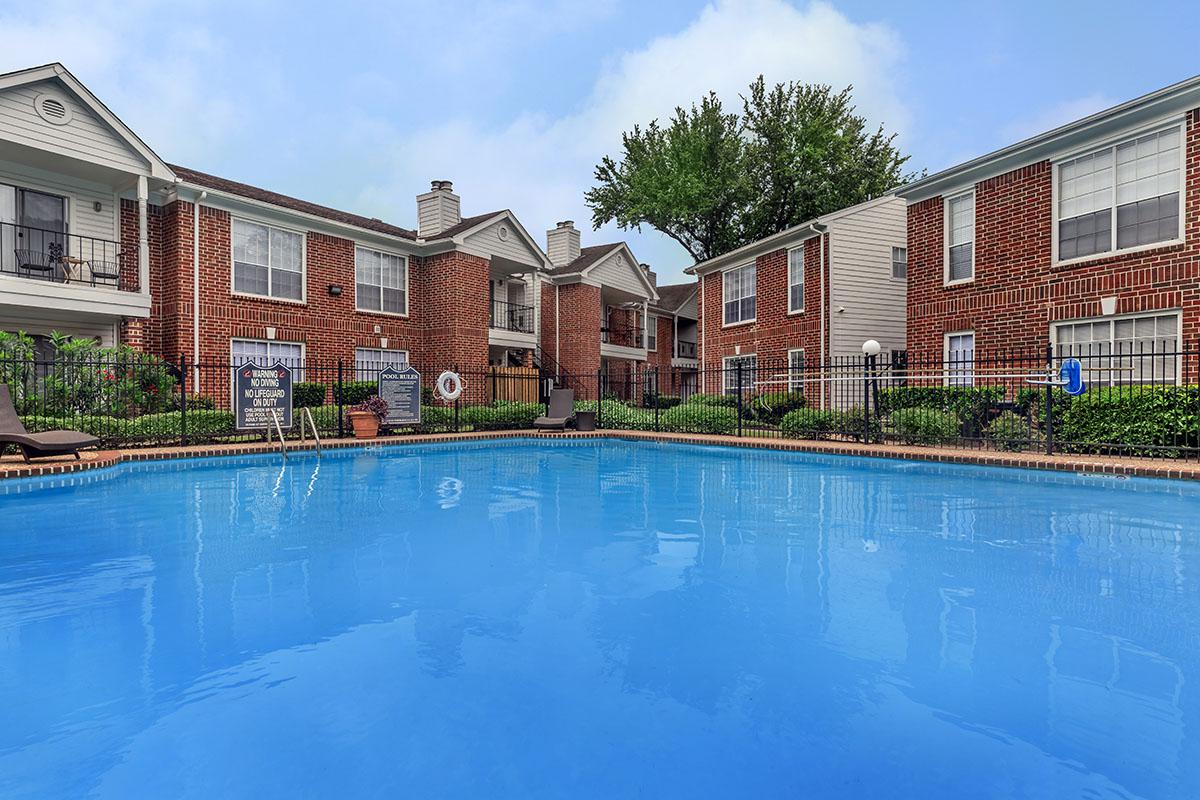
[[562, 411], [37, 445]]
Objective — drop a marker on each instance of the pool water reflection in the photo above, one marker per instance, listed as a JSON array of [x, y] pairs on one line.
[[597, 619]]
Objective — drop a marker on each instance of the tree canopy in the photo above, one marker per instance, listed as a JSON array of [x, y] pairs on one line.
[[713, 180]]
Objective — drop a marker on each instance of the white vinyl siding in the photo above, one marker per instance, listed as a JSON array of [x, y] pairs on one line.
[[795, 280], [380, 281], [960, 238], [267, 261], [739, 294], [749, 364], [370, 361], [796, 370], [960, 358], [1122, 350], [1122, 197], [900, 263]]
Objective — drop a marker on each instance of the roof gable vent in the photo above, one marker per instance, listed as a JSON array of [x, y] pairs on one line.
[[52, 108]]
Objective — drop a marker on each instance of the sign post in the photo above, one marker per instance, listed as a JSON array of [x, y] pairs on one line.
[[258, 391], [401, 389]]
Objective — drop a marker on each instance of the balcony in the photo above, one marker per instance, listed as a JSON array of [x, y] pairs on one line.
[[511, 317], [65, 258], [621, 336]]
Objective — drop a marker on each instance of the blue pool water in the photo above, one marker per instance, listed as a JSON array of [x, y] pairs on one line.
[[597, 619]]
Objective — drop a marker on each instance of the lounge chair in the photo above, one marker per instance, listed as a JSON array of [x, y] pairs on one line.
[[562, 411], [37, 445]]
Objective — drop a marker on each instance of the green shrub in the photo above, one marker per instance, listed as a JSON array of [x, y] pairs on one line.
[[86, 378], [501, 415], [618, 416], [353, 392], [809, 423], [851, 423], [168, 426], [1009, 431], [971, 404], [649, 400], [438, 417], [699, 418], [106, 428], [194, 402], [308, 395], [771, 407], [1140, 418], [698, 399], [924, 425], [326, 419]]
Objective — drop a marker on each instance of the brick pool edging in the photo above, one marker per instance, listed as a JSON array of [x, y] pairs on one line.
[[13, 467]]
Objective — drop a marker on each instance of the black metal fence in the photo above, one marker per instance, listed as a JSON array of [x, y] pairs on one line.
[[1139, 401]]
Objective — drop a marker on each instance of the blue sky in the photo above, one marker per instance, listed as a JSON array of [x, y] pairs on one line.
[[359, 106]]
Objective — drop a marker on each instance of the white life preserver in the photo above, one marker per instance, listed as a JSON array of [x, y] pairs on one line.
[[449, 386]]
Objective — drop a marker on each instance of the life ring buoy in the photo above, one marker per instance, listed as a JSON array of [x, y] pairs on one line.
[[449, 386]]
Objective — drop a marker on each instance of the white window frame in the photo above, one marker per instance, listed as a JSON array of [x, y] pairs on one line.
[[794, 385], [233, 219], [790, 283], [946, 236], [967, 379], [727, 369], [725, 324], [650, 334], [1111, 378], [358, 373], [297, 371], [904, 251], [1111, 143], [407, 270]]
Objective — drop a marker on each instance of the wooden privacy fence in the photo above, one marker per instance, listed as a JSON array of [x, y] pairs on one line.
[[515, 384]]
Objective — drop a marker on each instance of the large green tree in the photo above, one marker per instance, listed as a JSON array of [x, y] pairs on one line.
[[714, 181]]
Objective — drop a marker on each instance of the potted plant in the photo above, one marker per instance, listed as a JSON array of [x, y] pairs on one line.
[[367, 416]]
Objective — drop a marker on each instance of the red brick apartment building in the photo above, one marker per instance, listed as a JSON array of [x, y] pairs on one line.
[[99, 237], [810, 294], [1086, 237]]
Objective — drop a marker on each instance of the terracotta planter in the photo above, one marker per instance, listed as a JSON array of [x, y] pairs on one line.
[[365, 424]]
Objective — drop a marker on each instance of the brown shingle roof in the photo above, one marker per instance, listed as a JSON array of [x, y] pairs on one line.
[[292, 203], [466, 224], [587, 257], [672, 296]]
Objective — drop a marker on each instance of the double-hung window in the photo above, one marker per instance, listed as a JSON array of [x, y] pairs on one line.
[[265, 353], [960, 358], [267, 261], [380, 281], [749, 371], [370, 361], [1121, 197], [796, 370], [1123, 350], [796, 280], [739, 294], [960, 238], [900, 262], [651, 333]]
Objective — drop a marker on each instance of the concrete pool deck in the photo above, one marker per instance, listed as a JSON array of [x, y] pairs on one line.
[[13, 466]]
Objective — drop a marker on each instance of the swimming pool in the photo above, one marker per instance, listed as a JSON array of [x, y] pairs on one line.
[[597, 619]]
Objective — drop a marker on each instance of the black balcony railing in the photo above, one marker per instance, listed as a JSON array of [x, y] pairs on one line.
[[59, 257], [685, 349], [511, 317], [623, 336]]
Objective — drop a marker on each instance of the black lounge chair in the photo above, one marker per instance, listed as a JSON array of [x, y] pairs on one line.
[[562, 411], [37, 445]]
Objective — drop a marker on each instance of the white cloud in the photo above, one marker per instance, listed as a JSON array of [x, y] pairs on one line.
[[1050, 118], [541, 165]]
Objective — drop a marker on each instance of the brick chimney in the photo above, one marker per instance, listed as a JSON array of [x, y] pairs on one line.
[[562, 243], [438, 209]]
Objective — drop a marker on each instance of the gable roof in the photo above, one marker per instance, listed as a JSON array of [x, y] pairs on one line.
[[1174, 99], [203, 179], [56, 71], [466, 224], [586, 258], [672, 296]]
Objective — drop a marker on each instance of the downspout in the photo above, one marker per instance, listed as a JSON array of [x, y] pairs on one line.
[[196, 285], [557, 329], [822, 229]]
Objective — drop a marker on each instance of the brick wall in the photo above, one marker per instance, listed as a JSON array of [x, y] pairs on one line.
[[774, 331], [1017, 293], [579, 320]]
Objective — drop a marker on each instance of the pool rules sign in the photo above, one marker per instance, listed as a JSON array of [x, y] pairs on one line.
[[258, 391], [401, 389]]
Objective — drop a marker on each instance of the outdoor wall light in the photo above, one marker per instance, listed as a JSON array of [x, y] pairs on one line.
[[335, 290]]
